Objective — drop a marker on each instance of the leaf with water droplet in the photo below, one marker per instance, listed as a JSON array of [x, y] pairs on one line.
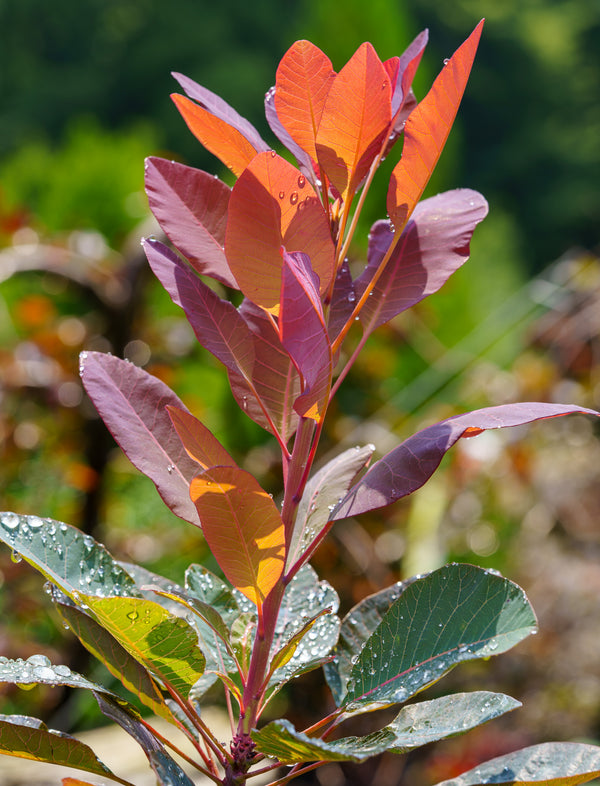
[[414, 726], [66, 556], [165, 644], [29, 738], [553, 763], [306, 600], [479, 611], [357, 626], [323, 491]]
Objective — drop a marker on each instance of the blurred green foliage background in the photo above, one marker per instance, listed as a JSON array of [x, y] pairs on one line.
[[84, 97]]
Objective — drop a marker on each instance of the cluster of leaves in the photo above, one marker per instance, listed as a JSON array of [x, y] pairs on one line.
[[280, 238]]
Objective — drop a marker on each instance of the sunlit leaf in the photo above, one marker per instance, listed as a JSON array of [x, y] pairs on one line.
[[165, 644], [29, 738], [304, 76], [242, 527], [551, 764], [132, 404], [65, 555], [304, 335], [218, 136], [414, 726], [355, 120], [191, 207], [302, 157], [457, 613], [321, 495], [358, 626], [199, 442], [427, 130], [411, 464], [434, 244], [273, 205], [117, 660]]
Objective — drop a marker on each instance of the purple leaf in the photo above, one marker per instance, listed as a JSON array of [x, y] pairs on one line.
[[343, 300], [221, 109], [191, 207], [411, 464], [434, 244], [321, 495], [303, 333], [301, 156], [132, 403], [216, 322], [407, 66], [275, 378]]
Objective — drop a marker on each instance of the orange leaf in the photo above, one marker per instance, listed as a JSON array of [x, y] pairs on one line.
[[200, 444], [75, 782], [355, 119], [272, 205], [427, 130], [222, 139], [242, 527], [303, 80]]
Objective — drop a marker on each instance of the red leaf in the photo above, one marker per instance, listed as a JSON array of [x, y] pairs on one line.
[[426, 131], [191, 208], [303, 79], [217, 136], [434, 244], [302, 157], [304, 335], [412, 463], [272, 205], [132, 404], [199, 442], [242, 527], [274, 377], [355, 120]]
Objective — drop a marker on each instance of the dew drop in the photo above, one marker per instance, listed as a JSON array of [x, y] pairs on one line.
[[15, 556], [351, 297], [301, 181], [133, 615], [10, 521], [446, 60], [44, 673], [273, 154], [62, 671], [38, 660], [294, 197], [63, 528], [35, 522], [281, 194], [170, 468]]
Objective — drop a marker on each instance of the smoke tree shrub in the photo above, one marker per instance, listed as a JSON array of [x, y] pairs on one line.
[[280, 237]]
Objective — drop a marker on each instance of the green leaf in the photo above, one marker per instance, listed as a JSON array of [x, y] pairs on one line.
[[551, 763], [456, 613], [357, 626], [305, 598], [29, 738], [117, 660], [414, 726], [165, 644], [73, 561], [38, 669], [321, 495], [167, 771]]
